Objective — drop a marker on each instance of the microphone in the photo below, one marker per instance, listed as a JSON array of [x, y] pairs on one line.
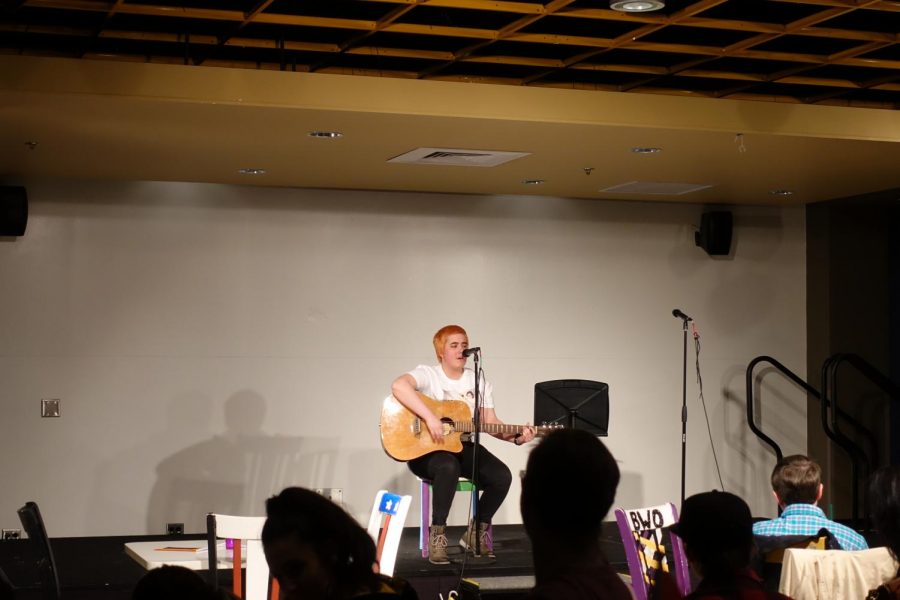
[[681, 315], [470, 351]]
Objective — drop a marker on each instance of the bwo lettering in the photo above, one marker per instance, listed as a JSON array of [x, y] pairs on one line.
[[643, 520]]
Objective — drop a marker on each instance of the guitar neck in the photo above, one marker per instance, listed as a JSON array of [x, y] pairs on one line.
[[469, 427]]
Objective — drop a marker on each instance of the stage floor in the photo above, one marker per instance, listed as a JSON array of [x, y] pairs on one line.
[[509, 575]]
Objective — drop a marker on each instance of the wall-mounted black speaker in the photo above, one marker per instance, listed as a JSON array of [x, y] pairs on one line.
[[715, 233], [13, 210]]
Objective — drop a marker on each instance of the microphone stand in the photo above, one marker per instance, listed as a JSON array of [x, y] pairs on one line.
[[684, 323], [476, 441]]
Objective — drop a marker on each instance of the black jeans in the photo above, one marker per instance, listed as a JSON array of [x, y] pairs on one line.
[[444, 469]]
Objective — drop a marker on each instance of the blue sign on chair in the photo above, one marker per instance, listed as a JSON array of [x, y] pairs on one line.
[[389, 504]]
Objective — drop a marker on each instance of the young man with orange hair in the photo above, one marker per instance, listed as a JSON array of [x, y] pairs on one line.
[[450, 379]]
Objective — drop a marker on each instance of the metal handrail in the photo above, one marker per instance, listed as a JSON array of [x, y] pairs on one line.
[[837, 438], [829, 418], [751, 421]]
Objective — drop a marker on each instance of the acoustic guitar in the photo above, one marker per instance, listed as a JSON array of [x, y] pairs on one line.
[[405, 436]]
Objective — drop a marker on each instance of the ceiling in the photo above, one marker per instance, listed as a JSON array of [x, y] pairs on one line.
[[745, 97]]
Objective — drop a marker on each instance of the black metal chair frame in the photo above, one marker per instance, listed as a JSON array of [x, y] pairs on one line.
[[33, 524]]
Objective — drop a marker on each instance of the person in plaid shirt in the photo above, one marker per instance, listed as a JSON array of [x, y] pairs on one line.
[[797, 486]]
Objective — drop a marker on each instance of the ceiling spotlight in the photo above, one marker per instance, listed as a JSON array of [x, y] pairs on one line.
[[533, 181], [636, 5], [330, 135], [646, 150], [781, 192], [251, 171]]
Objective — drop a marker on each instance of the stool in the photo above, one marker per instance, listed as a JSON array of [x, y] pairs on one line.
[[463, 485]]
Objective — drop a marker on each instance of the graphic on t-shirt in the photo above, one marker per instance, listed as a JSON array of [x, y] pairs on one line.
[[434, 383], [457, 395]]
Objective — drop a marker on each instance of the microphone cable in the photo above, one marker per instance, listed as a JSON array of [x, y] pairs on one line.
[[712, 445]]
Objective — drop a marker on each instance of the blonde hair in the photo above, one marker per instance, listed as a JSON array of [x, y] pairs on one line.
[[440, 338]]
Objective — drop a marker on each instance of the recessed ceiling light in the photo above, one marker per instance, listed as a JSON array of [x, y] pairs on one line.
[[781, 192], [329, 135], [252, 171], [533, 181], [636, 5], [646, 150]]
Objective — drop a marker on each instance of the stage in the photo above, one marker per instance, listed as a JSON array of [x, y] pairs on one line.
[[509, 576], [97, 568]]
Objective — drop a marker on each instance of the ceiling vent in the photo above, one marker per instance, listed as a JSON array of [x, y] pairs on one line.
[[656, 187], [455, 157]]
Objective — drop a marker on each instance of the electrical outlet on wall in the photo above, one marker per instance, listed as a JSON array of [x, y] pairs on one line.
[[11, 534], [174, 528], [49, 407], [336, 495]]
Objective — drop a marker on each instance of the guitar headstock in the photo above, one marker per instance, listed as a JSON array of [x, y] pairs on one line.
[[546, 428]]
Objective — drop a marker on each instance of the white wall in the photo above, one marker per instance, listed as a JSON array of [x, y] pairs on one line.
[[213, 344]]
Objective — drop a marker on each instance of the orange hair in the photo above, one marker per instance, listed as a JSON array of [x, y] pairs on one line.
[[440, 338]]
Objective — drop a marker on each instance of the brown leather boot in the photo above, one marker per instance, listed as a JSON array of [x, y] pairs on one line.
[[437, 545], [478, 543]]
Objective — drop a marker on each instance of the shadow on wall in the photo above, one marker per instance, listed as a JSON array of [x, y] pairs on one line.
[[233, 473]]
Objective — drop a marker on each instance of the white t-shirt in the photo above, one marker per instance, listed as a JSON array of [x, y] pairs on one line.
[[433, 382]]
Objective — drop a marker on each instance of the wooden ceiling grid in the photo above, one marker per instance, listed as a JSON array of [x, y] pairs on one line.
[[840, 52]]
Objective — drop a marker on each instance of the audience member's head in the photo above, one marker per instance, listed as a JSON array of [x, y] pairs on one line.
[[797, 479], [570, 483], [315, 549], [173, 583], [717, 531], [884, 506]]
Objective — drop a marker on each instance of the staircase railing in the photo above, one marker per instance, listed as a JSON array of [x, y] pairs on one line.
[[846, 444], [830, 417]]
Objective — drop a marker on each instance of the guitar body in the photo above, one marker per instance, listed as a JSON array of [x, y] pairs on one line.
[[405, 436]]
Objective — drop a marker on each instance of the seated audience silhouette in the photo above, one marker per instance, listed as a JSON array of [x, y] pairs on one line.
[[797, 486], [317, 551], [717, 531], [884, 509], [569, 485], [171, 582]]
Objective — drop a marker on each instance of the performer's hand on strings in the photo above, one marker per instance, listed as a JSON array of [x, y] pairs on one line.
[[528, 433], [526, 436], [436, 429]]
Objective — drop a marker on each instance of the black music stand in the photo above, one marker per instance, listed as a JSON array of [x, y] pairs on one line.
[[575, 403]]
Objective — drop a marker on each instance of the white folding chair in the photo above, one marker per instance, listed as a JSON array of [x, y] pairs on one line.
[[239, 530], [386, 526]]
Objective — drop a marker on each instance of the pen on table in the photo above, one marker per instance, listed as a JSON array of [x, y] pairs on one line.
[[181, 549]]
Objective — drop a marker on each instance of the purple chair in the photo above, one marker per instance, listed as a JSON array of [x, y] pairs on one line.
[[642, 535]]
